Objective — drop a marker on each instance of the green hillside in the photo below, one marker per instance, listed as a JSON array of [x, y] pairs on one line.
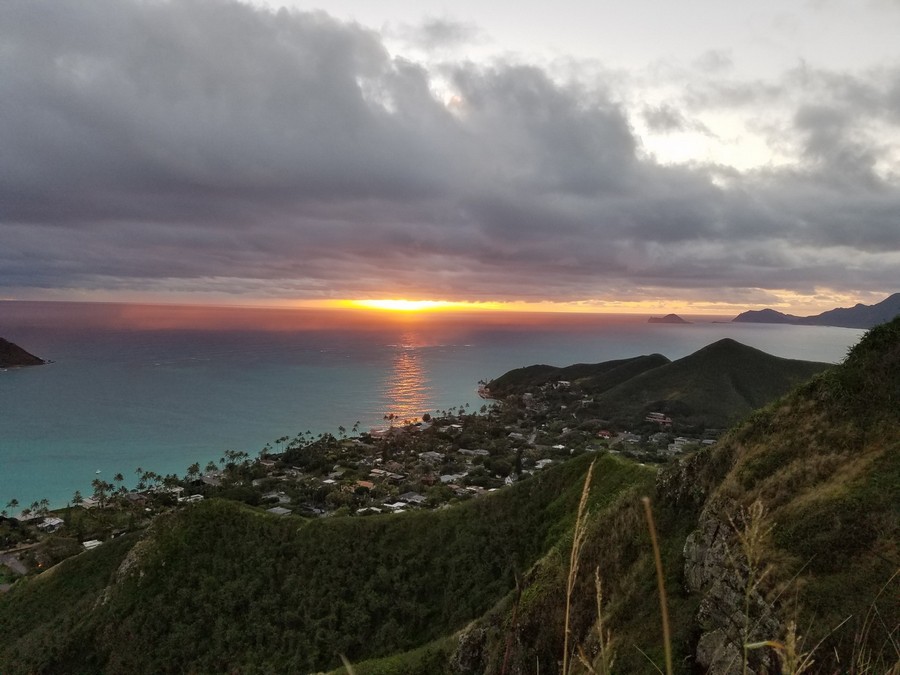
[[223, 587], [715, 386], [793, 519]]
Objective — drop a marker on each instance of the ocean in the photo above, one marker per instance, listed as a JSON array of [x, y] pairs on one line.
[[160, 388]]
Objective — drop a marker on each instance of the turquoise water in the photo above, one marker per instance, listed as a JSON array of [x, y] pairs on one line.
[[120, 398]]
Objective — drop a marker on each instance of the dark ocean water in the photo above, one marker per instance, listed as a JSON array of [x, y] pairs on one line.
[[126, 394]]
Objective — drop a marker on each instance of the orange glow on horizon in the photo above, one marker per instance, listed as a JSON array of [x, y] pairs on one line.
[[397, 305], [173, 310]]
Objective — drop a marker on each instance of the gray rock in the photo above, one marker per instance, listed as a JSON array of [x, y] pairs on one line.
[[717, 655]]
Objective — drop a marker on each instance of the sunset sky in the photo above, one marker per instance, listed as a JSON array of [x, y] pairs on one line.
[[705, 155]]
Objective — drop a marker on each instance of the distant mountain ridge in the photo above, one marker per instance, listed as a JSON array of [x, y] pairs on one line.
[[858, 316], [12, 355]]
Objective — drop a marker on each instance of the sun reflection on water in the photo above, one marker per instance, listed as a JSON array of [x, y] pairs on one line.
[[407, 392]]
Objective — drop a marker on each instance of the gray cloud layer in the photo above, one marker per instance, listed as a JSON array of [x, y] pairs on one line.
[[194, 144]]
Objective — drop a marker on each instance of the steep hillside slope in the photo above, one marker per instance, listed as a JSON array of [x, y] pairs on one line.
[[791, 525]]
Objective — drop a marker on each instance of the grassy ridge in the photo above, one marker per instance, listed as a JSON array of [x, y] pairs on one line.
[[221, 586]]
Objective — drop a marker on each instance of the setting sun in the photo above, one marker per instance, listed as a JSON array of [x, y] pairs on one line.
[[402, 305]]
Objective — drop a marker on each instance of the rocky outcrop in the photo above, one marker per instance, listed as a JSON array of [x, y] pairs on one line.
[[668, 318], [732, 609], [469, 655], [13, 356]]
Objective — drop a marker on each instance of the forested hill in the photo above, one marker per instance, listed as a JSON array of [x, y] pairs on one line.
[[221, 587], [12, 355]]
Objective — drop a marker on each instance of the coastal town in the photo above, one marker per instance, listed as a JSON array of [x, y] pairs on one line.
[[430, 462]]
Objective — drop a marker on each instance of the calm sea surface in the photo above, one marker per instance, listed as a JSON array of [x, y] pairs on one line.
[[124, 393]]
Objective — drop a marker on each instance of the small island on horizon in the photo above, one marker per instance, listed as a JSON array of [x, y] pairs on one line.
[[668, 318], [13, 356]]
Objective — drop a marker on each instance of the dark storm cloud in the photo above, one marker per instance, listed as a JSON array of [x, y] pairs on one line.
[[209, 146]]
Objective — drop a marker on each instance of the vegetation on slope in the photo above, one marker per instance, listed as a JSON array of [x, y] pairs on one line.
[[44, 620], [222, 586], [815, 477]]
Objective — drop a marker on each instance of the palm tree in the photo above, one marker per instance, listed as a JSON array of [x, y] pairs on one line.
[[193, 471], [101, 487]]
